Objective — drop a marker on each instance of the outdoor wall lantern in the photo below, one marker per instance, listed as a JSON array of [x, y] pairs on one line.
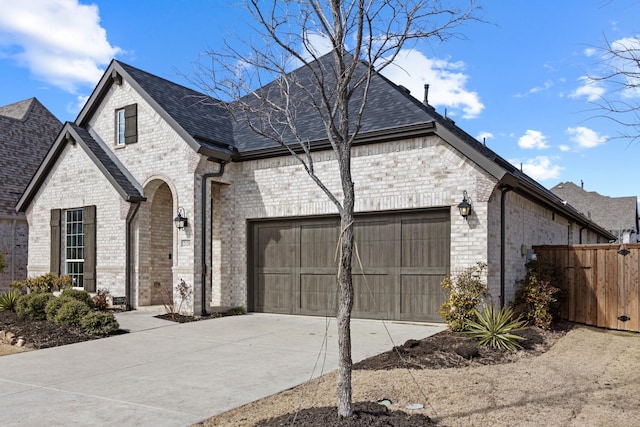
[[465, 205], [180, 221]]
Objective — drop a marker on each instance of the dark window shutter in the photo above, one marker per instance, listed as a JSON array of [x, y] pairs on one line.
[[54, 260], [131, 124], [89, 225]]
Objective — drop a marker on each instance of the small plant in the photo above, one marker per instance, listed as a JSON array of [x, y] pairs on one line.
[[464, 295], [537, 297], [101, 299], [33, 305], [236, 311], [2, 264], [71, 313], [54, 305], [184, 292], [45, 283], [78, 294], [495, 328], [99, 323], [9, 299]]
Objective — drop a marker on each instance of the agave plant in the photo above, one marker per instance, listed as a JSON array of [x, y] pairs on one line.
[[496, 328], [9, 299]]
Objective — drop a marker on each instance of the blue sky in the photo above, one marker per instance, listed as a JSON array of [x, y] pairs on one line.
[[517, 81]]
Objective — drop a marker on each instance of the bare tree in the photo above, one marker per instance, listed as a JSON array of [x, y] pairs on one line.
[[621, 71], [254, 74]]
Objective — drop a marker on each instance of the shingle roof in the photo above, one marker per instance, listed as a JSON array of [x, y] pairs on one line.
[[612, 213], [27, 130]]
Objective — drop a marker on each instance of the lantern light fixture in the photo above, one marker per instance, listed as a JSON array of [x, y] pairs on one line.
[[181, 220], [465, 205]]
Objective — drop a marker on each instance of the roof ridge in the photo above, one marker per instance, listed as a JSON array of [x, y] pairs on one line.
[[18, 110]]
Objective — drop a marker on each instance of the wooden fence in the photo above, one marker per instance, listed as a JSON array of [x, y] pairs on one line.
[[601, 283]]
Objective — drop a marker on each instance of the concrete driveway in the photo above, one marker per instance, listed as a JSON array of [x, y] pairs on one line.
[[169, 374]]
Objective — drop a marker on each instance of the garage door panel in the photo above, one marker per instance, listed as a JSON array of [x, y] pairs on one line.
[[318, 294], [376, 244], [276, 246], [374, 296], [421, 297], [425, 242], [318, 244], [275, 293]]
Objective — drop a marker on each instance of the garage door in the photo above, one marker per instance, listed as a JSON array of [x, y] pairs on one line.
[[404, 258]]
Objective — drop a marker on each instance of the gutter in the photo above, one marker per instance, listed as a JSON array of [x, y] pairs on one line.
[[503, 249], [203, 255], [128, 255]]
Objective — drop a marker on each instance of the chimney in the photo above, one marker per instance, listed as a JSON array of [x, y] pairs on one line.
[[582, 184]]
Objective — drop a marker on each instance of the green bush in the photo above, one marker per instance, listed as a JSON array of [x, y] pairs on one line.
[[45, 283], [495, 328], [537, 297], [33, 305], [463, 296], [9, 299], [99, 323], [53, 306], [2, 264], [79, 295], [71, 313]]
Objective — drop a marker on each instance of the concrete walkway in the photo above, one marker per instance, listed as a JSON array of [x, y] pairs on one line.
[[170, 374]]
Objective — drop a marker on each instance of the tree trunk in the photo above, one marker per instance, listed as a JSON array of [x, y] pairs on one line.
[[345, 289]]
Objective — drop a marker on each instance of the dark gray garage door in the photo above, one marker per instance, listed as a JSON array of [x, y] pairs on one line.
[[404, 256]]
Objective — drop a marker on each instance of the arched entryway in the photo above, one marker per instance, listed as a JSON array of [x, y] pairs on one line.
[[156, 258]]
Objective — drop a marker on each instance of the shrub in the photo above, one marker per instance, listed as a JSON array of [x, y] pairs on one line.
[[101, 299], [71, 313], [99, 323], [184, 291], [463, 296], [80, 295], [9, 299], [2, 264], [33, 305], [236, 311], [537, 297], [53, 306], [45, 283], [495, 328]]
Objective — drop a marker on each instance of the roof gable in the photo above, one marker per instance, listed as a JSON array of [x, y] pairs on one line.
[[27, 130], [108, 164], [201, 121]]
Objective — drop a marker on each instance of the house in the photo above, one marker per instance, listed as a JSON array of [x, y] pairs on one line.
[[254, 229], [27, 130], [618, 215]]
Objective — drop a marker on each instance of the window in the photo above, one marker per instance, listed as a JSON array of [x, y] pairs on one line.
[[127, 125], [120, 124], [74, 246]]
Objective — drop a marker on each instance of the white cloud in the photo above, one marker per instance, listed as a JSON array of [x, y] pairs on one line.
[[546, 86], [446, 80], [60, 41], [590, 51], [540, 168], [585, 137], [590, 89], [626, 64], [533, 139], [564, 148], [484, 136]]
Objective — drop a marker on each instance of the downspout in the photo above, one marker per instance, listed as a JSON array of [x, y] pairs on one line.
[[14, 226], [128, 255], [203, 255], [580, 233], [503, 238]]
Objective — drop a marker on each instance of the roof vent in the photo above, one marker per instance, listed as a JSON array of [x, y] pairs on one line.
[[426, 94]]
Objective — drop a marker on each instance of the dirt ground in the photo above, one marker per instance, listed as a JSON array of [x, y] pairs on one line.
[[589, 377]]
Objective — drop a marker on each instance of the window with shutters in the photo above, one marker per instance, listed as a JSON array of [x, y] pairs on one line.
[[127, 125], [74, 246]]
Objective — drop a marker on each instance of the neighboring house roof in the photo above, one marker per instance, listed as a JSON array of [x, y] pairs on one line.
[[27, 130], [102, 157], [391, 113], [613, 213]]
